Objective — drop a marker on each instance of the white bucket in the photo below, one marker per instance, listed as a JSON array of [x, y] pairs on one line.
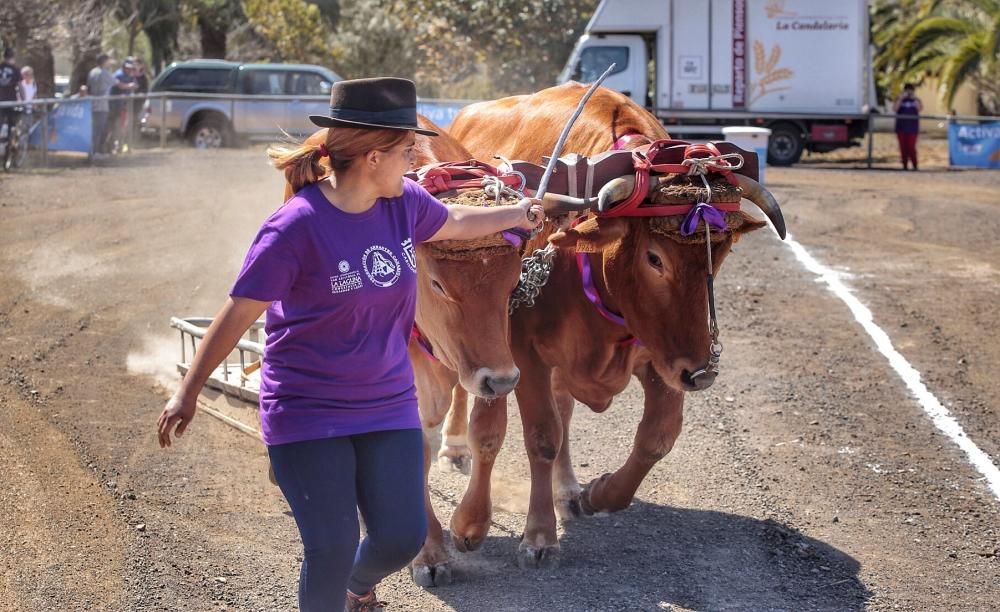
[[751, 139]]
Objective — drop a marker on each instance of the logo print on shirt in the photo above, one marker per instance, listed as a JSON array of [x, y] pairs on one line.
[[381, 266], [343, 266], [409, 255]]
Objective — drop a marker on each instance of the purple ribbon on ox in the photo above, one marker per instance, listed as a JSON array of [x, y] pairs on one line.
[[712, 216], [515, 236]]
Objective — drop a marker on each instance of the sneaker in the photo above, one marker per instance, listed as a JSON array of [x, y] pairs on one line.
[[364, 603]]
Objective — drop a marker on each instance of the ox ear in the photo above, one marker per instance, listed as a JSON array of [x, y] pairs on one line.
[[591, 236], [750, 224]]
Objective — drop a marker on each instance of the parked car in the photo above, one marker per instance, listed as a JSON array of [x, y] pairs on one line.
[[242, 101], [61, 86]]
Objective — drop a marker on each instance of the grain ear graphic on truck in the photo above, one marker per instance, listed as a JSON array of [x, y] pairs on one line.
[[776, 8], [767, 72]]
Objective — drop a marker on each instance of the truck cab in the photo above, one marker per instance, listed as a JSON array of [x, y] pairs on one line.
[[595, 52]]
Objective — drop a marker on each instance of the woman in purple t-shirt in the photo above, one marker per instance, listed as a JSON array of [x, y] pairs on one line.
[[335, 270]]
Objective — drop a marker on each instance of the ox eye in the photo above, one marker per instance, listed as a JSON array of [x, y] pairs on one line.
[[437, 287], [654, 260]]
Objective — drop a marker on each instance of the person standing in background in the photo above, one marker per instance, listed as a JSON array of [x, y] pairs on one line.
[[125, 85], [141, 78], [29, 91], [908, 107], [99, 83], [29, 88], [141, 88], [10, 88]]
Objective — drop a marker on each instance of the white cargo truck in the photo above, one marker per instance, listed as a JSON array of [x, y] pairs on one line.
[[799, 67]]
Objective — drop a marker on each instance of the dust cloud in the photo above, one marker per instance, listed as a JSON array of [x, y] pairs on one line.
[[158, 359]]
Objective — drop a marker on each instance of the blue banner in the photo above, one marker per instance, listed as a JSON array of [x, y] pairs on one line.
[[441, 113], [69, 127], [976, 145]]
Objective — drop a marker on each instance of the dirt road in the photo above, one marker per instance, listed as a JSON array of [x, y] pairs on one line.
[[807, 478]]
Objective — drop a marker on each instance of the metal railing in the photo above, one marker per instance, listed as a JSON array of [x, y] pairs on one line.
[[193, 329], [156, 105], [44, 107], [947, 119]]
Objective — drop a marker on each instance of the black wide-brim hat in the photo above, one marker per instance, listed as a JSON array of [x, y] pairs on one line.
[[385, 103]]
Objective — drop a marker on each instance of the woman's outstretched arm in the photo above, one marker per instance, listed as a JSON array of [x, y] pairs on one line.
[[468, 222], [236, 315]]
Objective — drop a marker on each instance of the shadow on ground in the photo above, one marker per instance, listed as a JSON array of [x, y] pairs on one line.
[[675, 559]]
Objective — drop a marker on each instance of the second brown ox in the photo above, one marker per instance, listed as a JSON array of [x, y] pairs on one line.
[[565, 348]]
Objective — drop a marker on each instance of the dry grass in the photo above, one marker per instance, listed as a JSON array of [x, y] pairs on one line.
[[932, 153]]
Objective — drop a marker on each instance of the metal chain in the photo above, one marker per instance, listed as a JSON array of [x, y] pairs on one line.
[[715, 349], [535, 272], [494, 187], [536, 268]]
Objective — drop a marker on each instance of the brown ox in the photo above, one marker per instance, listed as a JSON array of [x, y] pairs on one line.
[[462, 315], [565, 349]]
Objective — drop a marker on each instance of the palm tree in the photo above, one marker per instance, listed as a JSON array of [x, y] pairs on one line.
[[956, 42]]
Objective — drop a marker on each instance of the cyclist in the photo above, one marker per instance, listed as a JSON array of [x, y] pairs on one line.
[[10, 89]]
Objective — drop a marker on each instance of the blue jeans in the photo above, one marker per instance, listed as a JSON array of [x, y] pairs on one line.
[[326, 482]]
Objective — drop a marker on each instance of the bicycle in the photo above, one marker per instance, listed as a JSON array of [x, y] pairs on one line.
[[14, 143]]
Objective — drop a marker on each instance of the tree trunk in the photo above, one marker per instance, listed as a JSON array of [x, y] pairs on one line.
[[133, 33], [38, 55], [213, 39], [84, 59]]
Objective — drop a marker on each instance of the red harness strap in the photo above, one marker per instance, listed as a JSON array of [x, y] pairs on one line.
[[643, 166], [437, 178], [622, 143], [422, 342]]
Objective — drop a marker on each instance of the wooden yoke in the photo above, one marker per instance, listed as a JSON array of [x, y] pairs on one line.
[[575, 176]]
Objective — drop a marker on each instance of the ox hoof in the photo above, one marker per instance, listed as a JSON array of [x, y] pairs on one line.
[[586, 505], [571, 507], [452, 459], [430, 576], [531, 557], [466, 544]]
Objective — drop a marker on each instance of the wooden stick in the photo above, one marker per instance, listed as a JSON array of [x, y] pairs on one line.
[[544, 184]]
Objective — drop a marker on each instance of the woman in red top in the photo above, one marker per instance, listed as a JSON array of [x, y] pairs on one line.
[[908, 108]]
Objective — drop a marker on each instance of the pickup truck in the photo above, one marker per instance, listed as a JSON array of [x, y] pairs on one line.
[[238, 101]]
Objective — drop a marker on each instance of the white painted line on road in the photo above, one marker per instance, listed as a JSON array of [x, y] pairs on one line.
[[939, 415]]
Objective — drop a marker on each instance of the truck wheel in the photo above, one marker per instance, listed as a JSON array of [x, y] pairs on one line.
[[785, 145], [209, 134]]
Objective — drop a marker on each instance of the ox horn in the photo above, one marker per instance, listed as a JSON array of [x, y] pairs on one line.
[[614, 191], [756, 193], [619, 189], [556, 204]]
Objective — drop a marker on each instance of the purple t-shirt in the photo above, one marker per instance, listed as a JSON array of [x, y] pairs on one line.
[[343, 289]]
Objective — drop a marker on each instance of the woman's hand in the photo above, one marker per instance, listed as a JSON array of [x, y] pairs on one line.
[[534, 214], [178, 411], [237, 314]]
